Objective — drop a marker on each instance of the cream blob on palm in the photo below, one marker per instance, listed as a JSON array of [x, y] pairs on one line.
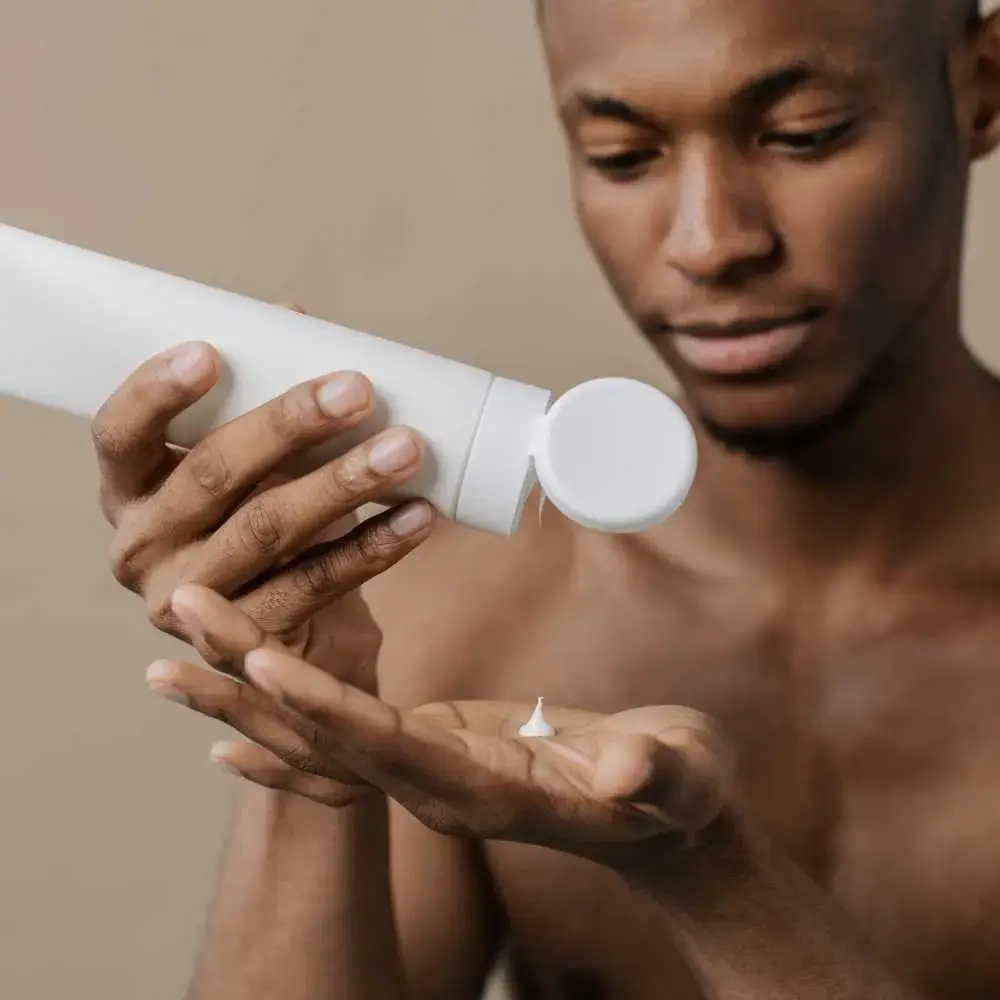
[[537, 726]]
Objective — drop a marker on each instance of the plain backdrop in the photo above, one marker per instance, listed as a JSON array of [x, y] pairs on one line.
[[393, 166]]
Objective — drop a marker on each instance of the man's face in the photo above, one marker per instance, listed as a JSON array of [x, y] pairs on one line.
[[775, 189]]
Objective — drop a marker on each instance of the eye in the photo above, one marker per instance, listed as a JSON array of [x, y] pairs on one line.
[[808, 143], [624, 166]]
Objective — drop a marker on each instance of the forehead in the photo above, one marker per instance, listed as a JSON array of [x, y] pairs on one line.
[[681, 44]]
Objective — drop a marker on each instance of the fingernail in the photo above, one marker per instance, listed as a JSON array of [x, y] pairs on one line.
[[179, 599], [160, 673], [226, 766], [158, 678], [190, 363], [394, 451], [409, 520], [343, 395]]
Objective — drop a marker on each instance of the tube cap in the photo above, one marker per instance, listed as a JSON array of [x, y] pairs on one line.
[[499, 472], [616, 455]]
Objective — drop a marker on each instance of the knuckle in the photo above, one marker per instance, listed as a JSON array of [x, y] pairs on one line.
[[125, 571], [109, 439], [231, 708], [373, 549], [301, 759], [294, 412], [208, 469], [126, 560], [349, 479], [318, 578], [221, 711], [260, 526], [161, 615], [380, 545]]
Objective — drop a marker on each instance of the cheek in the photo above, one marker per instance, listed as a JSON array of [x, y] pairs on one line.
[[624, 226], [868, 228]]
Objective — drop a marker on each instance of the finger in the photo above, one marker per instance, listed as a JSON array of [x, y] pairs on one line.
[[262, 767], [220, 470], [382, 744], [327, 572], [221, 632], [456, 782], [280, 478], [129, 430], [281, 519], [237, 705]]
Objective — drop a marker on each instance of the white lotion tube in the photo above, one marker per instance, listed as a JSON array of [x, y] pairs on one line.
[[75, 323]]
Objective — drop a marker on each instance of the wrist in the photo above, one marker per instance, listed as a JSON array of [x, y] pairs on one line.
[[729, 881], [271, 816], [749, 921], [703, 871]]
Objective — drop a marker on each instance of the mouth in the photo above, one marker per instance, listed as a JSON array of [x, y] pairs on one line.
[[742, 347]]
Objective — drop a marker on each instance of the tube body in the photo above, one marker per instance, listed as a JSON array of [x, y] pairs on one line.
[[74, 323]]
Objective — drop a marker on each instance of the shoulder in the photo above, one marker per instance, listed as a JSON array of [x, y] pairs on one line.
[[447, 605]]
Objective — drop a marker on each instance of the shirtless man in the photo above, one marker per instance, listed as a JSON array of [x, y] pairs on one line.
[[829, 594]]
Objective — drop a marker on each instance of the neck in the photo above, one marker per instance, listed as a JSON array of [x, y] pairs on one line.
[[896, 487]]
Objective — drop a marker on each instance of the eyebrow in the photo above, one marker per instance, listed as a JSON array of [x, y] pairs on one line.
[[602, 106], [760, 91]]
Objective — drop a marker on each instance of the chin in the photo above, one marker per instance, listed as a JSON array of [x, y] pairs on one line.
[[774, 421]]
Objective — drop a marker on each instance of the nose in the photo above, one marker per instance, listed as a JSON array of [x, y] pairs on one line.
[[720, 230]]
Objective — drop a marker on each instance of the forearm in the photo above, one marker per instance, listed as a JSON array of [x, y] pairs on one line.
[[303, 909], [753, 925]]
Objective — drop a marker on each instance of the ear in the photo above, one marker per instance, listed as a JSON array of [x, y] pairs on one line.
[[983, 122]]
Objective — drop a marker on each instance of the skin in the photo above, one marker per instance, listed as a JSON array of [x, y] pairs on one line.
[[775, 710]]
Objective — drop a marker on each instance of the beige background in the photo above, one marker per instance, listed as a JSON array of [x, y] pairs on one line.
[[389, 165]]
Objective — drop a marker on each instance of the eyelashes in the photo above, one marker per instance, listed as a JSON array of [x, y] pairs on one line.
[[803, 144], [624, 166], [809, 141]]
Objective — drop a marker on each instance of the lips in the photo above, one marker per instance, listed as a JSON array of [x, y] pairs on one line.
[[743, 347]]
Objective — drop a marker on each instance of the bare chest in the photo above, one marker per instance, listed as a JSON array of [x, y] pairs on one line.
[[873, 758]]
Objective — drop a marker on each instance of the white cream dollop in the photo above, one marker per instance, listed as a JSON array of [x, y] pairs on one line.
[[536, 725]]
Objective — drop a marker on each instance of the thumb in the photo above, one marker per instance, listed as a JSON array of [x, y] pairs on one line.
[[683, 776]]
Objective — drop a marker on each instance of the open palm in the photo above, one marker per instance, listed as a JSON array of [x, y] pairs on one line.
[[459, 767]]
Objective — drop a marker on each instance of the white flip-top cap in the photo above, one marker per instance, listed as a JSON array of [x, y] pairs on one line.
[[612, 454], [616, 455]]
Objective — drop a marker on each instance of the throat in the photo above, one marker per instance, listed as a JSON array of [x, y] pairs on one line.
[[905, 474]]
